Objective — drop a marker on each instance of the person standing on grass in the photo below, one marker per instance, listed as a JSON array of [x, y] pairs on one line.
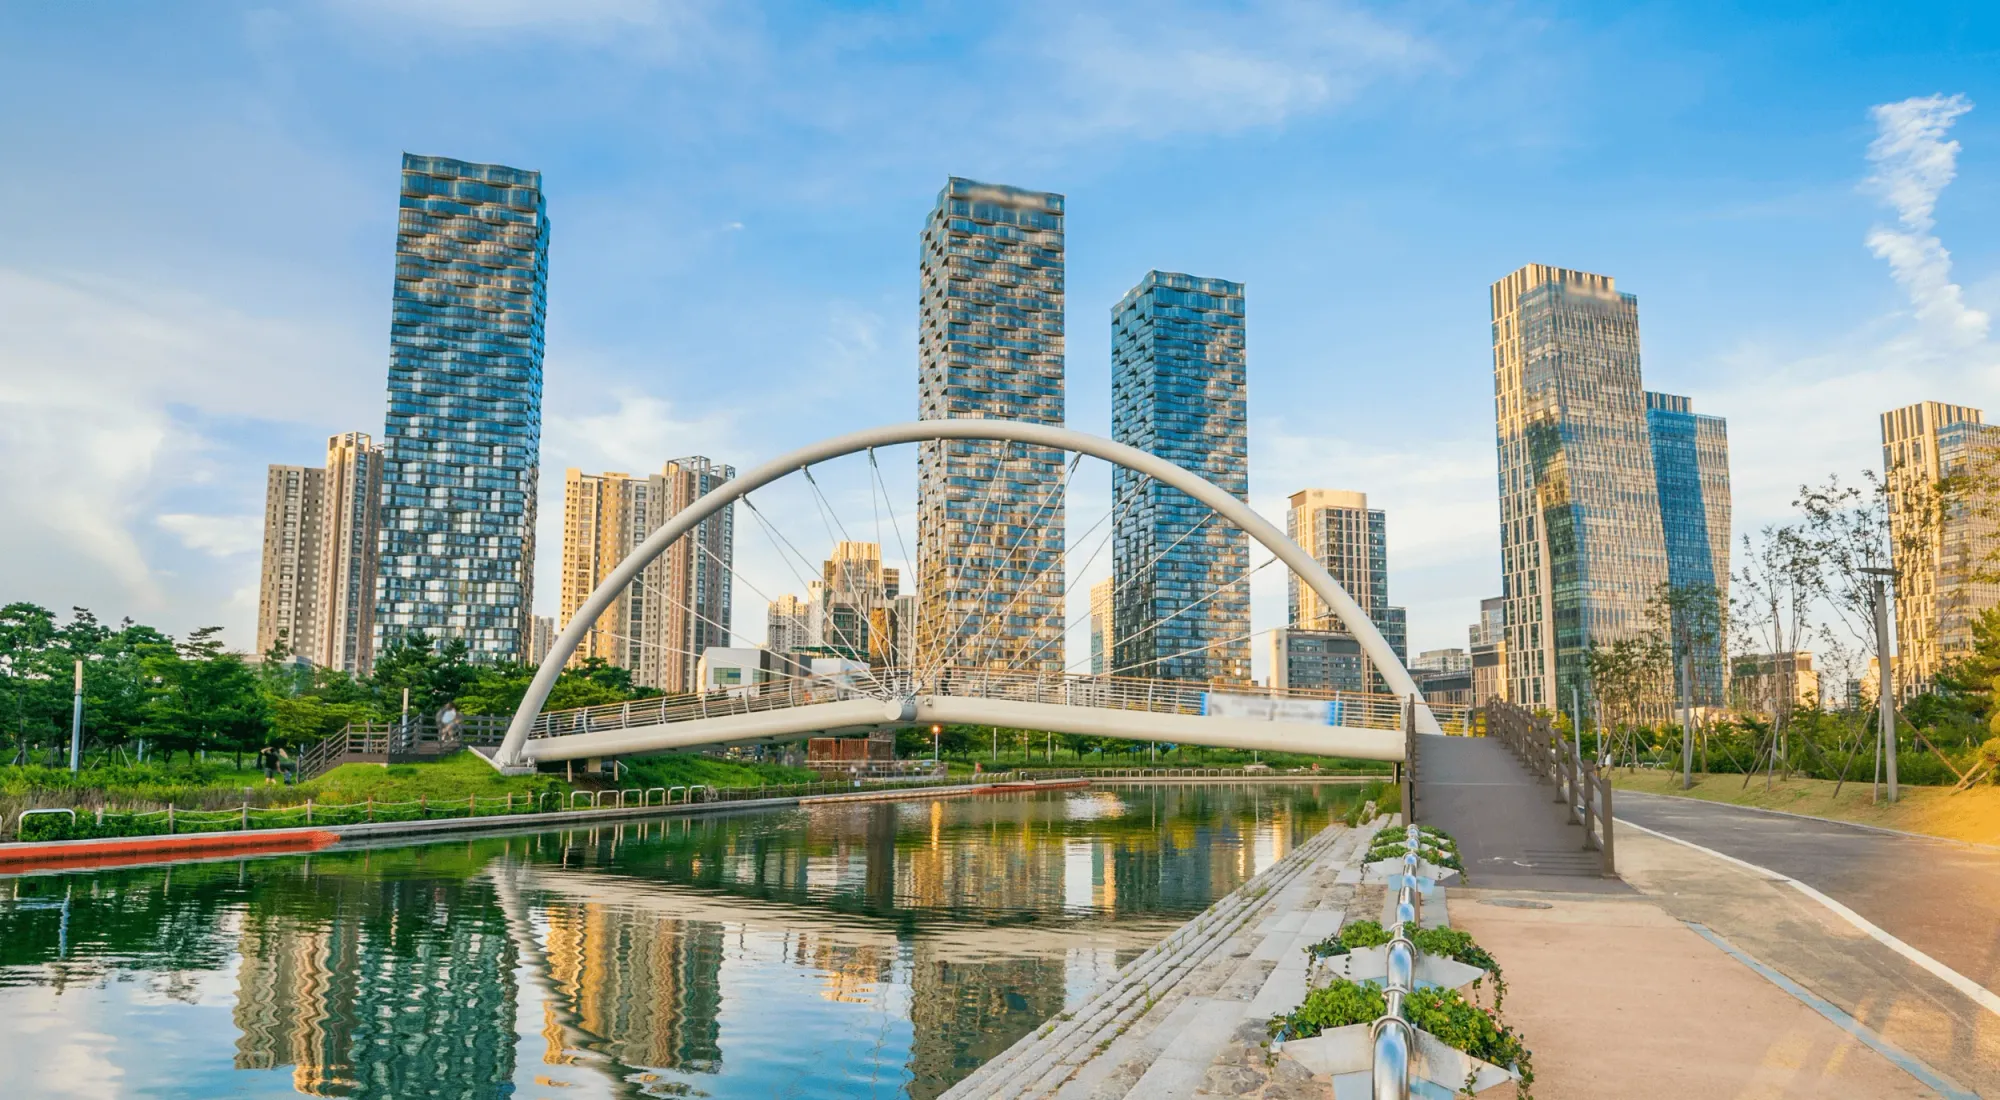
[[268, 759]]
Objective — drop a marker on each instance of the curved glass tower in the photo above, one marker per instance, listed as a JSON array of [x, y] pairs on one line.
[[464, 431]]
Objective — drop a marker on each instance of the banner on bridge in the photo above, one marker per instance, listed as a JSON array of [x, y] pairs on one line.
[[1271, 708]]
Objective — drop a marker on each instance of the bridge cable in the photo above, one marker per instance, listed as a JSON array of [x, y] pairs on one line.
[[993, 574], [1076, 578], [1197, 649], [1183, 609], [779, 536], [952, 576], [889, 507]]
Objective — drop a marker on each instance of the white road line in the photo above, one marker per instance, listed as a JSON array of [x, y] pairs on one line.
[[1980, 995]]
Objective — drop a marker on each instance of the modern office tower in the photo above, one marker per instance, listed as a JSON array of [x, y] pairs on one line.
[[598, 518], [990, 345], [288, 587], [1691, 473], [1102, 644], [787, 625], [1317, 660], [463, 436], [1581, 548], [1939, 462], [1351, 541], [689, 603], [1181, 608], [1487, 640], [542, 638], [351, 529], [1441, 660]]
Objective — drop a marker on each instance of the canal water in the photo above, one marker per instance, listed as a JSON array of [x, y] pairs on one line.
[[860, 949]]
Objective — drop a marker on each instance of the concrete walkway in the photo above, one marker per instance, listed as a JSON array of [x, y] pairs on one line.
[[1510, 827], [1619, 996]]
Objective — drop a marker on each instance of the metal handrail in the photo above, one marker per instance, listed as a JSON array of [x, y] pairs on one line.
[[1111, 692], [1391, 1036]]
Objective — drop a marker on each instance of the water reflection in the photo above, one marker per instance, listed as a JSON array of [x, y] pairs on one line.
[[863, 949]]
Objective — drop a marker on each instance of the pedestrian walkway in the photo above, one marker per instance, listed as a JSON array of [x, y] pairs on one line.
[[1511, 828]]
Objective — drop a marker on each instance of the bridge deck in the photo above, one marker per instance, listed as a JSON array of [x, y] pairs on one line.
[[1510, 828]]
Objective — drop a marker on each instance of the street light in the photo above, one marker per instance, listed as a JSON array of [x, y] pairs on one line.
[[1885, 683]]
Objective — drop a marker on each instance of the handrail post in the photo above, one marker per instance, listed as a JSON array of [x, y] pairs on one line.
[[1609, 860]]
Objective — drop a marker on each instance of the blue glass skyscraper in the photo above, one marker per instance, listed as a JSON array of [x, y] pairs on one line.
[[463, 438], [1181, 603], [1691, 469]]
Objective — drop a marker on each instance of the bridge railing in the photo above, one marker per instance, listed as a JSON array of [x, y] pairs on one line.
[[1580, 784], [1110, 692]]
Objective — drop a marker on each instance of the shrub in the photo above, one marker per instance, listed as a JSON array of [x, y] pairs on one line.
[[1462, 1025], [1352, 936], [1336, 1005]]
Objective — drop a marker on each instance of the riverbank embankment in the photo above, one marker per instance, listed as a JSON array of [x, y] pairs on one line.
[[27, 857], [1190, 1015]]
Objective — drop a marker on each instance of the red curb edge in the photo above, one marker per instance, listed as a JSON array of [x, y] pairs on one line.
[[117, 851]]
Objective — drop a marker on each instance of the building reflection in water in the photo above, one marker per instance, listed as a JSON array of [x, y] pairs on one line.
[[385, 995], [863, 949]]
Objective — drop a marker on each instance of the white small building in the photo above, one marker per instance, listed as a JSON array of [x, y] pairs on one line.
[[743, 670]]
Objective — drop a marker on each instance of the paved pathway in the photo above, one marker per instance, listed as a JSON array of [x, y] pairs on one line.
[[1510, 828], [1940, 897]]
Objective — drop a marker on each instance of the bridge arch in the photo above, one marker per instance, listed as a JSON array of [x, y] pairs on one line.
[[1194, 485]]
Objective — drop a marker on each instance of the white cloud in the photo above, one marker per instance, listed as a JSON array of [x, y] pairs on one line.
[[636, 435], [1796, 417], [1913, 163], [107, 394], [1157, 72], [222, 536]]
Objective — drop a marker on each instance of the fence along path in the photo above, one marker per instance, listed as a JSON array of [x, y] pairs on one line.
[[1515, 827]]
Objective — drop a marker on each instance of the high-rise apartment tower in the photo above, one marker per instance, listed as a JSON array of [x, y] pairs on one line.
[[1351, 540], [288, 587], [1182, 609], [351, 532], [990, 344], [680, 603], [464, 430]]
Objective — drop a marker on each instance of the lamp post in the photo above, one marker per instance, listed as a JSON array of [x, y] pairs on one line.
[[76, 722], [1885, 685]]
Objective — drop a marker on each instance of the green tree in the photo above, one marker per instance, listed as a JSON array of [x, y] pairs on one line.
[[201, 697]]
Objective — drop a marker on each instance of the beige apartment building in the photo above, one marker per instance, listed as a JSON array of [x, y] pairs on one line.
[[316, 590], [288, 589], [1350, 540], [1101, 627], [680, 603], [351, 537], [1939, 465]]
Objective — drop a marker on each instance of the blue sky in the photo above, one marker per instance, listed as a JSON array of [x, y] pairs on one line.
[[198, 205]]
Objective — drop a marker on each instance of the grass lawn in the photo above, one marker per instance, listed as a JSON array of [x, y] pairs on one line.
[[454, 777], [1972, 814]]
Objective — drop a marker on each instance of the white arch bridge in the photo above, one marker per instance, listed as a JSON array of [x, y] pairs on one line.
[[1359, 725]]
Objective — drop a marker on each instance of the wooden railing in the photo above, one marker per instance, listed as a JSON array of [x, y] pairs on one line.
[[1581, 786], [398, 741]]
